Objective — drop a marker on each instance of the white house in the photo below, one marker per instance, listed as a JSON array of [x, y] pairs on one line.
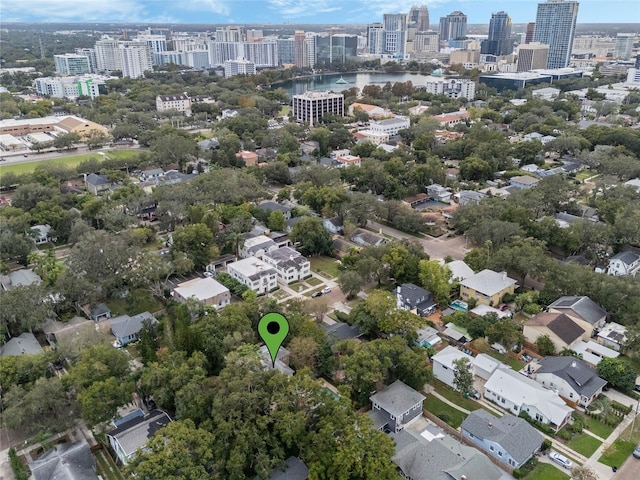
[[571, 378], [459, 270], [523, 182], [254, 274], [290, 265], [443, 366], [593, 353], [131, 434], [517, 393], [41, 234], [613, 335], [624, 263], [439, 193], [257, 247], [206, 290]]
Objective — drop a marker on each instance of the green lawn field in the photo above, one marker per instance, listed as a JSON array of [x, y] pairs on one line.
[[71, 161]]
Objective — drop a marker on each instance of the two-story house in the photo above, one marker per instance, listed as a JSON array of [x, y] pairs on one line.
[[523, 182], [582, 310], [257, 246], [508, 438], [97, 184], [254, 274], [487, 287], [397, 405], [624, 263], [561, 330], [416, 299], [206, 290], [439, 193], [517, 393], [573, 379], [333, 225], [272, 206], [443, 364], [42, 234], [132, 434], [290, 265]]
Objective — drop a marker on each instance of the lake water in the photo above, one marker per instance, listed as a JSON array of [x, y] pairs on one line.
[[329, 82]]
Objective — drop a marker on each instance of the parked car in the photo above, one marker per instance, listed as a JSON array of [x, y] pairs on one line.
[[316, 294], [502, 307], [326, 290], [208, 274], [636, 451], [561, 460]]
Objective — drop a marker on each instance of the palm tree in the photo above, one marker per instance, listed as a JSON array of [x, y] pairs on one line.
[[237, 241]]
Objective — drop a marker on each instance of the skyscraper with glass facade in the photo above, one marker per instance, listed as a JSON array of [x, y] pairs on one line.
[[499, 41], [556, 26]]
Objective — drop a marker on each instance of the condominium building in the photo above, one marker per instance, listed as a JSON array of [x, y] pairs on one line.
[[239, 67], [108, 58], [136, 58], [452, 88], [624, 45], [71, 87], [532, 56], [229, 34], [262, 53], [286, 51], [220, 52], [180, 102], [556, 26], [254, 274], [311, 106], [299, 49], [289, 264], [453, 26], [157, 43], [395, 33], [426, 42], [90, 53], [375, 35], [499, 41], [72, 64]]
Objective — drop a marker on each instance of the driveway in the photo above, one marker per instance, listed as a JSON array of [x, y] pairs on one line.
[[629, 471]]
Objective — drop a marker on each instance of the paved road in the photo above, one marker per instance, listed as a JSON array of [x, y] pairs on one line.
[[37, 157], [437, 248], [629, 471]]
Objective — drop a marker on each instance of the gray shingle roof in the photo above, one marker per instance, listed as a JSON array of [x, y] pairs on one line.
[[95, 179], [560, 324], [581, 377], [627, 257], [342, 331], [67, 461], [582, 306], [294, 469], [124, 325], [25, 344], [397, 398], [271, 206], [515, 435], [134, 434]]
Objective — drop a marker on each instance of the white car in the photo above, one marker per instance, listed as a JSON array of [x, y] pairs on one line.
[[561, 460], [326, 290], [208, 274]]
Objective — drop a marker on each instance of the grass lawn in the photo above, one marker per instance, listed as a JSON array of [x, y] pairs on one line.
[[619, 451], [106, 467], [508, 359], [71, 161], [584, 444], [280, 294], [313, 281], [310, 292], [137, 302], [452, 416], [285, 110], [544, 471], [453, 396], [596, 427], [325, 266], [583, 175]]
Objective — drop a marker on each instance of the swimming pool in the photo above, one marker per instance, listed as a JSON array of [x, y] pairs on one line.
[[459, 305]]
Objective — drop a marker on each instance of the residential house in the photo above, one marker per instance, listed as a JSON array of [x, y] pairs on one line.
[[254, 274], [416, 299], [559, 327], [459, 270], [282, 360], [151, 173], [19, 278], [624, 263], [257, 247], [272, 206], [510, 439], [582, 310], [365, 238], [415, 200], [487, 287], [455, 333], [208, 144], [573, 379], [290, 265], [593, 353], [339, 331], [42, 234], [292, 221], [517, 393], [99, 312], [443, 366], [205, 290], [334, 225], [346, 160], [523, 182], [613, 335], [293, 469], [398, 405], [24, 344], [443, 136], [452, 119], [97, 184], [132, 435], [250, 159], [65, 461], [427, 337], [484, 365], [469, 197], [439, 193], [127, 329]]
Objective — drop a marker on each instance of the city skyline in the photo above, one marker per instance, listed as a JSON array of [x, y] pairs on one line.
[[292, 11]]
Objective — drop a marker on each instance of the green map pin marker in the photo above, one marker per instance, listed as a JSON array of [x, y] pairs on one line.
[[273, 329]]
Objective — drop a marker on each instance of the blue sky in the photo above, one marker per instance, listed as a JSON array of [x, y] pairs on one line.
[[296, 11]]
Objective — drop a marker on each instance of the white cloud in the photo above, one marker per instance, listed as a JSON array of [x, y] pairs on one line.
[[302, 8], [72, 10], [220, 7]]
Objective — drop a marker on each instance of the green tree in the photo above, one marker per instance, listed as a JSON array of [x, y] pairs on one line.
[[350, 283], [196, 241], [24, 308], [47, 266], [401, 322], [505, 332], [276, 221], [463, 376], [435, 278], [545, 345], [98, 364], [314, 239], [619, 372], [100, 401]]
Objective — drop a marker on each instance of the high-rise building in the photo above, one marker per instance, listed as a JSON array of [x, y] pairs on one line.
[[375, 36], [556, 26], [173, 56], [254, 35], [108, 57], [335, 48], [531, 28], [499, 41], [419, 18], [72, 64], [624, 45], [71, 87], [157, 43], [239, 67], [136, 58], [426, 42], [229, 34], [310, 49], [196, 58], [298, 48], [395, 34], [263, 54], [532, 56], [220, 52], [453, 26], [311, 106], [286, 52]]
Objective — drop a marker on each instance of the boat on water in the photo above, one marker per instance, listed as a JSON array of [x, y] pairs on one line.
[[341, 81]]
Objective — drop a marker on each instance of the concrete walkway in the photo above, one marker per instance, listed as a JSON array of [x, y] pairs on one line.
[[432, 391]]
